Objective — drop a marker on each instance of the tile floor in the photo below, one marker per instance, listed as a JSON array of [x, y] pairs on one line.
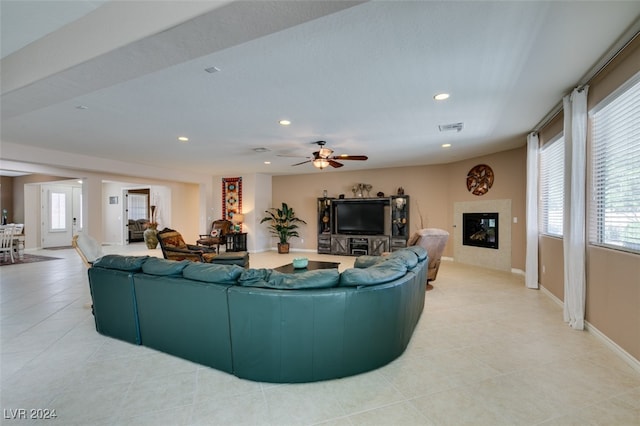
[[486, 351]]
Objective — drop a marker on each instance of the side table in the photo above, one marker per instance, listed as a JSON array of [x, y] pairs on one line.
[[237, 241]]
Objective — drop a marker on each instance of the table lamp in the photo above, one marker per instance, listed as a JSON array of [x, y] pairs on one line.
[[237, 219]]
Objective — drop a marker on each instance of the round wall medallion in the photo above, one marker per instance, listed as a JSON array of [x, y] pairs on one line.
[[480, 179]]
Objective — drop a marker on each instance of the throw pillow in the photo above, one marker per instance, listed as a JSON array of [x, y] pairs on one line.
[[172, 239], [215, 233]]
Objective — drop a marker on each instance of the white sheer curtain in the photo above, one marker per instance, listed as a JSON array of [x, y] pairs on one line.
[[574, 244], [531, 272]]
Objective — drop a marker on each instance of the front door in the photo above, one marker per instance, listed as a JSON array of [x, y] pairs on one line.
[[57, 215]]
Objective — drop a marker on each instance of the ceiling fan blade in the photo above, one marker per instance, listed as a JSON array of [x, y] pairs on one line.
[[292, 156], [335, 164], [304, 162], [351, 157]]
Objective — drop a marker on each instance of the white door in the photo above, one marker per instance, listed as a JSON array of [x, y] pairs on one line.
[[77, 219], [57, 215]]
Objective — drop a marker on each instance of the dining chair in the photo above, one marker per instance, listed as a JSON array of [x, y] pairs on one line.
[[6, 241]]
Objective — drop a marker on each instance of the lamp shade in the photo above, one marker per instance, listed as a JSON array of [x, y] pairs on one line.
[[237, 218], [320, 163]]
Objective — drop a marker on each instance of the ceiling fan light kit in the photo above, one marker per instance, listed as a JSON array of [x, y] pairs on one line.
[[322, 158], [321, 163]]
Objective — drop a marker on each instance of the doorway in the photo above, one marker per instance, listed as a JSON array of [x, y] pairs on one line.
[[61, 214], [136, 213]]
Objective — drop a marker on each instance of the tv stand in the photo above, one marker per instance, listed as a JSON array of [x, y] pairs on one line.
[[395, 236], [359, 246]]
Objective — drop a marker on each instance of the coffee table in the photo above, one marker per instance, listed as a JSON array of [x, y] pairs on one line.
[[313, 264]]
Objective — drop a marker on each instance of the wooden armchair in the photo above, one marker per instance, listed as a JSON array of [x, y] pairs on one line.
[[217, 236], [174, 248]]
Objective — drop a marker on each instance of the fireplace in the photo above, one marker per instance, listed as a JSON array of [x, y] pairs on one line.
[[480, 230]]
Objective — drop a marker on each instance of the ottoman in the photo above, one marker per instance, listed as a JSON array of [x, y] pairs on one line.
[[240, 258]]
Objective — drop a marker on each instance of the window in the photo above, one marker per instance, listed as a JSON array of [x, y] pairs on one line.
[[552, 188], [58, 211], [137, 205], [615, 147]]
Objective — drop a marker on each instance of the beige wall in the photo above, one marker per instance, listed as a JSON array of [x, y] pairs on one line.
[[613, 277], [433, 191], [183, 211]]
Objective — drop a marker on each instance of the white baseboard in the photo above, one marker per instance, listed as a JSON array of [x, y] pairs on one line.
[[552, 296], [624, 355], [517, 271]]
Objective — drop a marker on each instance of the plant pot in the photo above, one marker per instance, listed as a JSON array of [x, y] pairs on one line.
[[283, 248], [151, 238]]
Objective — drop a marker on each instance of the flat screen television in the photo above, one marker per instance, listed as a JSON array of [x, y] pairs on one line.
[[360, 217]]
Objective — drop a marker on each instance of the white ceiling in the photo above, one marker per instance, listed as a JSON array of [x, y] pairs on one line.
[[361, 76]]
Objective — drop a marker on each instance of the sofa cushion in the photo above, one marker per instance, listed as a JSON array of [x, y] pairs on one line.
[[317, 278], [121, 263], [155, 266], [420, 251], [254, 277], [379, 273], [365, 261], [407, 256], [265, 278], [212, 273]]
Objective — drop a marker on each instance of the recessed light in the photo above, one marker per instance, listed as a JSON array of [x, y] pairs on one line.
[[441, 96], [261, 150], [267, 162], [82, 107], [211, 70], [446, 145], [183, 139], [284, 122]]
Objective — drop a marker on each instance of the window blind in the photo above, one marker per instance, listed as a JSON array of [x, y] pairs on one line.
[[615, 199], [551, 188], [137, 206]]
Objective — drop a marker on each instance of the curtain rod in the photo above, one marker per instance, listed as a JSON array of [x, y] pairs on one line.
[[618, 47]]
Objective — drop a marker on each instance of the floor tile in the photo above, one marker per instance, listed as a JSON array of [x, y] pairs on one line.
[[486, 351]]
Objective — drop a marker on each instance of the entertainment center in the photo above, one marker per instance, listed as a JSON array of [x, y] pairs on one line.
[[362, 226]]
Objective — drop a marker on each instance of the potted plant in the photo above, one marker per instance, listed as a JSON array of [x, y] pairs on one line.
[[283, 223]]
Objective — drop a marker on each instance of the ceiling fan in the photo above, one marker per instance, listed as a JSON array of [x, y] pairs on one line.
[[323, 157]]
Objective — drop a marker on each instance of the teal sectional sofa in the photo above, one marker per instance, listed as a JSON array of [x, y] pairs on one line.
[[260, 324]]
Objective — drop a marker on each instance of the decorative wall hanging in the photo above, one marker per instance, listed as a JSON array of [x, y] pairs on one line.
[[480, 179], [231, 197]]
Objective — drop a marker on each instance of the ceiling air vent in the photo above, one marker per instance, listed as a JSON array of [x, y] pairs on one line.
[[450, 127]]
